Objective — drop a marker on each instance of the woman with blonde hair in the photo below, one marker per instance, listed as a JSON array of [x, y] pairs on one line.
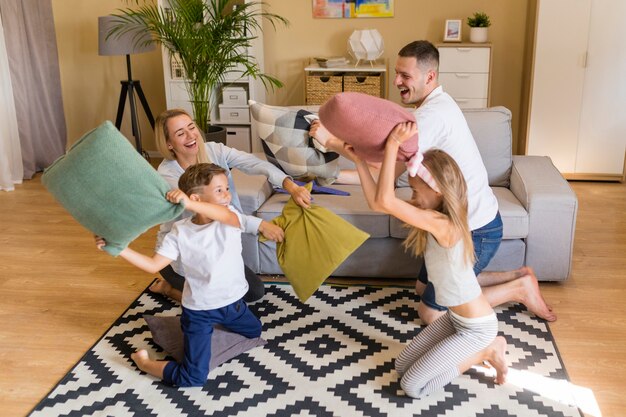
[[182, 144], [466, 334]]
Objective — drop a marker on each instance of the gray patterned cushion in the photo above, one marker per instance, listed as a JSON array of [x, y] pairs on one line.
[[284, 134]]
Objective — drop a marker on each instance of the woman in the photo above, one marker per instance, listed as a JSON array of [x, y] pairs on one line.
[[181, 144]]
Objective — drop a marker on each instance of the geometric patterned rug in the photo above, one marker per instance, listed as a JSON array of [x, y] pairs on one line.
[[332, 356]]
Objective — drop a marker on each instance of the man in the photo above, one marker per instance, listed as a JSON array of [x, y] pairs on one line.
[[441, 124]]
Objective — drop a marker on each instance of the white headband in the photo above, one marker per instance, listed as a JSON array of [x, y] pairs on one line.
[[415, 167]]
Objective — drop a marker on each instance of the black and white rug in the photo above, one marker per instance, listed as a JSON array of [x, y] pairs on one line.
[[332, 356]]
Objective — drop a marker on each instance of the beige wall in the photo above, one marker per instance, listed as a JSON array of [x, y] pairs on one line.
[[91, 82]]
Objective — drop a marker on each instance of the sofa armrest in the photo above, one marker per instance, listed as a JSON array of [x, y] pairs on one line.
[[253, 190], [552, 207]]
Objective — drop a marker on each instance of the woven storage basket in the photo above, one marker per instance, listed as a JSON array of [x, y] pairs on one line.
[[322, 86], [363, 83]]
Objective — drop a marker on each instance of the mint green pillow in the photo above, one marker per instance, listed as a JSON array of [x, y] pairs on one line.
[[316, 242], [109, 188]]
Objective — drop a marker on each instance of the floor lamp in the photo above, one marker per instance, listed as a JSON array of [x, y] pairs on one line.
[[125, 44]]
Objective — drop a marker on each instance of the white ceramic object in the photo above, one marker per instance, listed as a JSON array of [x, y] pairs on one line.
[[366, 44]]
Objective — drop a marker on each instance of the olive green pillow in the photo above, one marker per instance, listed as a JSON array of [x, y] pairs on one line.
[[316, 242], [109, 188]]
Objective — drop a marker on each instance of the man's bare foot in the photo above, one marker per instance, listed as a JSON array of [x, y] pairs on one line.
[[531, 297], [161, 286], [496, 357], [140, 358]]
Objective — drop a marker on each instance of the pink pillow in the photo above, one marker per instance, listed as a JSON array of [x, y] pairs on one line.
[[364, 122]]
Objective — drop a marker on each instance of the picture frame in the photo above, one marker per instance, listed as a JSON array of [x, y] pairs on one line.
[[452, 32]]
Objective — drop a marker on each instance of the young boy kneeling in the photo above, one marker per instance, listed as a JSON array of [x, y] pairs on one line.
[[209, 246]]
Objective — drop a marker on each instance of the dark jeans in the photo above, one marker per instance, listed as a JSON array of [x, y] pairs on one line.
[[486, 243], [256, 290]]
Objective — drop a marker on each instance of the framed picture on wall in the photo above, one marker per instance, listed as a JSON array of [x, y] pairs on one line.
[[452, 32]]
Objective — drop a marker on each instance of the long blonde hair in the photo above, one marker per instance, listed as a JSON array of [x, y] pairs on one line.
[[451, 183], [162, 136]]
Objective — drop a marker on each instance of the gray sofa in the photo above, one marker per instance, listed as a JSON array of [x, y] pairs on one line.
[[537, 205]]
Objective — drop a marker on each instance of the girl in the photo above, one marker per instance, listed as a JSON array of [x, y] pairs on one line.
[[437, 215]]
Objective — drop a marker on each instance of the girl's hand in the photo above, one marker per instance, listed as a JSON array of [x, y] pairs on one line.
[[271, 231], [100, 242], [176, 196], [349, 153], [401, 133]]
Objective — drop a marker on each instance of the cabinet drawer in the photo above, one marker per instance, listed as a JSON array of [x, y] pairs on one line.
[[238, 138], [363, 83], [465, 85], [322, 86], [464, 59], [234, 114]]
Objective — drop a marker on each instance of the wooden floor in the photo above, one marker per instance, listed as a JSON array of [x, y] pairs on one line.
[[59, 295]]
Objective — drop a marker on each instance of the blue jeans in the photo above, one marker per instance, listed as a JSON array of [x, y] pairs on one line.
[[197, 328], [486, 243]]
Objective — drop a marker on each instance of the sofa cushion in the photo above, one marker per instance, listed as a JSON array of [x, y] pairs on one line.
[[514, 216], [365, 121], [284, 135], [491, 129], [352, 208], [109, 188]]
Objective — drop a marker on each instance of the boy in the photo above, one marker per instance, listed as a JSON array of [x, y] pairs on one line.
[[209, 246]]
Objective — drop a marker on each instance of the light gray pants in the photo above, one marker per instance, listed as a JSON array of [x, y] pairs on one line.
[[432, 358]]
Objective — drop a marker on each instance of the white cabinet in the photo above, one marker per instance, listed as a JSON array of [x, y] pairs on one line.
[[465, 73], [578, 91], [236, 118]]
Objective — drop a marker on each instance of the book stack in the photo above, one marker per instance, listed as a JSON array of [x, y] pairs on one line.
[[332, 62]]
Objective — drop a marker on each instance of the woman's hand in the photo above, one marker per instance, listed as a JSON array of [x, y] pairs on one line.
[[271, 231], [319, 132], [401, 133], [176, 196], [100, 242], [300, 195]]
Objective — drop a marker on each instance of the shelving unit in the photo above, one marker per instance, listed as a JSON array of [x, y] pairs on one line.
[[236, 119], [465, 73], [322, 83]]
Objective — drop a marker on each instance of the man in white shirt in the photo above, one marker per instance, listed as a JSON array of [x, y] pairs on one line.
[[441, 124]]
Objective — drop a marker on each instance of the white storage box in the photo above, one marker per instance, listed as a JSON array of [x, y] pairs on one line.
[[232, 114], [238, 138], [234, 96]]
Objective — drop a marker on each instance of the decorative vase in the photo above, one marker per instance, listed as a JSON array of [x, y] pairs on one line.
[[216, 134], [478, 35]]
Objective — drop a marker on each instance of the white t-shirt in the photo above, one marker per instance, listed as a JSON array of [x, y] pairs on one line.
[[212, 260], [441, 124]]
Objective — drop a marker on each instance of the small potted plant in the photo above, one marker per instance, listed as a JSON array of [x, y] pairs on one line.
[[479, 24]]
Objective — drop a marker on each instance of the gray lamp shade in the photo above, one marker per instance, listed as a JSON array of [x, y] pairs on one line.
[[120, 44]]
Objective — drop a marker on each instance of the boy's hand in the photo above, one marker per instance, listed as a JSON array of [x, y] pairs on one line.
[[271, 231], [176, 196], [100, 242]]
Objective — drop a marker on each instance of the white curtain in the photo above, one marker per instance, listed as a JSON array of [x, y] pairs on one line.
[[11, 168]]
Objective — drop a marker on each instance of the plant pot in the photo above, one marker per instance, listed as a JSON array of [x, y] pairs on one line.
[[478, 35], [216, 134]]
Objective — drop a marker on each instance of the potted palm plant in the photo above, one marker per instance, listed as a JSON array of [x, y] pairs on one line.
[[209, 38], [479, 24]]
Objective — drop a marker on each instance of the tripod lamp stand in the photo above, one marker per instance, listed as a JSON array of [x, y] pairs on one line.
[[125, 44]]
